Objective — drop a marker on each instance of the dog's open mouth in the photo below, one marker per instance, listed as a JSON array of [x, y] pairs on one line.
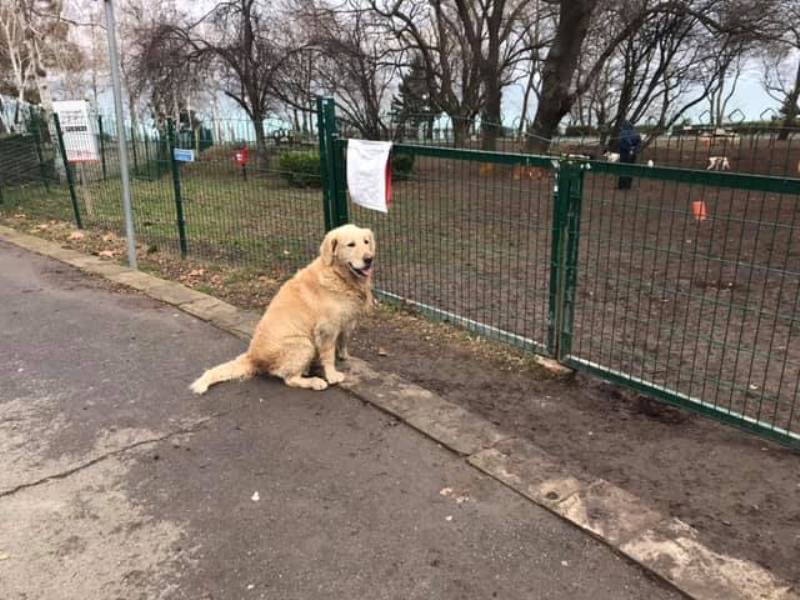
[[362, 272]]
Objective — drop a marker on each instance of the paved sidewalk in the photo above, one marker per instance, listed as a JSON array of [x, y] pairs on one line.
[[116, 483]]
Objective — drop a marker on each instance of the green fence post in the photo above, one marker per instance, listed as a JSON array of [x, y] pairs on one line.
[[68, 170], [133, 151], [102, 145], [570, 265], [340, 209], [568, 195], [176, 182], [147, 154], [37, 140], [326, 164], [337, 158], [560, 191]]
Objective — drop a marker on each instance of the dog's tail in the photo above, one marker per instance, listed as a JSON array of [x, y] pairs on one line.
[[240, 367]]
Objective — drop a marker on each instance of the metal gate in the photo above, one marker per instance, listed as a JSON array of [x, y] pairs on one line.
[[685, 287]]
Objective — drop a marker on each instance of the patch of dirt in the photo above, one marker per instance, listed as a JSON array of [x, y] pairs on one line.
[[741, 492]]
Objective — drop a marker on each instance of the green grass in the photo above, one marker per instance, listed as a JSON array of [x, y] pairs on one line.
[[262, 222]]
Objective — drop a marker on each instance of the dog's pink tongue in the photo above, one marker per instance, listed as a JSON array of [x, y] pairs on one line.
[[367, 270]]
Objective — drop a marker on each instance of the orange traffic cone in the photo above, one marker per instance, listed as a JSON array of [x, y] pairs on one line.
[[699, 210], [486, 169]]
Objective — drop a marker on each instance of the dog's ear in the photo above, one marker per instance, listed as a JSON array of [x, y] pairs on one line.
[[328, 248]]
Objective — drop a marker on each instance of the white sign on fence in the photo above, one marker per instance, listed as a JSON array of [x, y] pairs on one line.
[[80, 140], [183, 155]]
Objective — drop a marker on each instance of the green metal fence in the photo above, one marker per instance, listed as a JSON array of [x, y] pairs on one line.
[[685, 287]]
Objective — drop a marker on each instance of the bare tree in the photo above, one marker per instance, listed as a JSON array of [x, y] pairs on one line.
[[431, 30], [243, 45], [352, 62], [470, 50], [781, 64], [722, 80], [14, 60], [563, 82], [671, 64], [33, 39], [537, 26]]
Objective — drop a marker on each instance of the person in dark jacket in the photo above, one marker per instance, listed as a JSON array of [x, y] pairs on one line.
[[630, 142]]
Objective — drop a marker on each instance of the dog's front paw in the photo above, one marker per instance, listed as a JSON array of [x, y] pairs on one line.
[[334, 377], [317, 383]]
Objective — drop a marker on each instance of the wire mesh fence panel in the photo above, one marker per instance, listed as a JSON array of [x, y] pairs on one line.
[[690, 288], [31, 172], [254, 206], [755, 148], [468, 241]]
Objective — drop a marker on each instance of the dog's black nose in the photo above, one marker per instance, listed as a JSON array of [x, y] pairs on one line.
[[368, 260]]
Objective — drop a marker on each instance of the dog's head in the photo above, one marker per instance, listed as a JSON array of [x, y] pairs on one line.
[[351, 249]]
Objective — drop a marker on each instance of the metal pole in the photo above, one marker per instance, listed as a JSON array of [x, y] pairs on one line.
[[325, 156], [113, 56], [176, 183], [68, 171], [102, 145]]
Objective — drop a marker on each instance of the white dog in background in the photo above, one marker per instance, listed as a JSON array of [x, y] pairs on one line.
[[718, 163]]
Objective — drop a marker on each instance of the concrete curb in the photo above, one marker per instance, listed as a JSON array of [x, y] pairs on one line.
[[661, 544]]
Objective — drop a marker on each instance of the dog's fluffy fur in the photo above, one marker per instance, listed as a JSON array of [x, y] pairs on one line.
[[310, 317]]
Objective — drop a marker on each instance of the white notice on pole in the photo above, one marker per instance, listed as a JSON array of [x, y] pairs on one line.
[[368, 178], [80, 140]]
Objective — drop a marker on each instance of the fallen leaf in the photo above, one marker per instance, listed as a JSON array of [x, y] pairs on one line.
[[448, 491], [382, 352], [448, 518], [106, 253], [462, 499], [255, 497], [4, 556], [77, 235], [109, 237]]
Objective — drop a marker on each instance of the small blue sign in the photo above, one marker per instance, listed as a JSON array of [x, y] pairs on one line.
[[183, 155]]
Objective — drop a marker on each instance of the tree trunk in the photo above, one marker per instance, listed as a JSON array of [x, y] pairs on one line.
[[262, 157], [559, 72], [790, 109], [461, 128], [491, 124], [523, 116]]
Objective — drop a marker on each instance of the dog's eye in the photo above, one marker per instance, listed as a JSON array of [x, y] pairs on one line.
[[351, 245]]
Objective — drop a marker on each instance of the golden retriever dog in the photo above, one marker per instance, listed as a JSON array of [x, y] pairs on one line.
[[310, 317]]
